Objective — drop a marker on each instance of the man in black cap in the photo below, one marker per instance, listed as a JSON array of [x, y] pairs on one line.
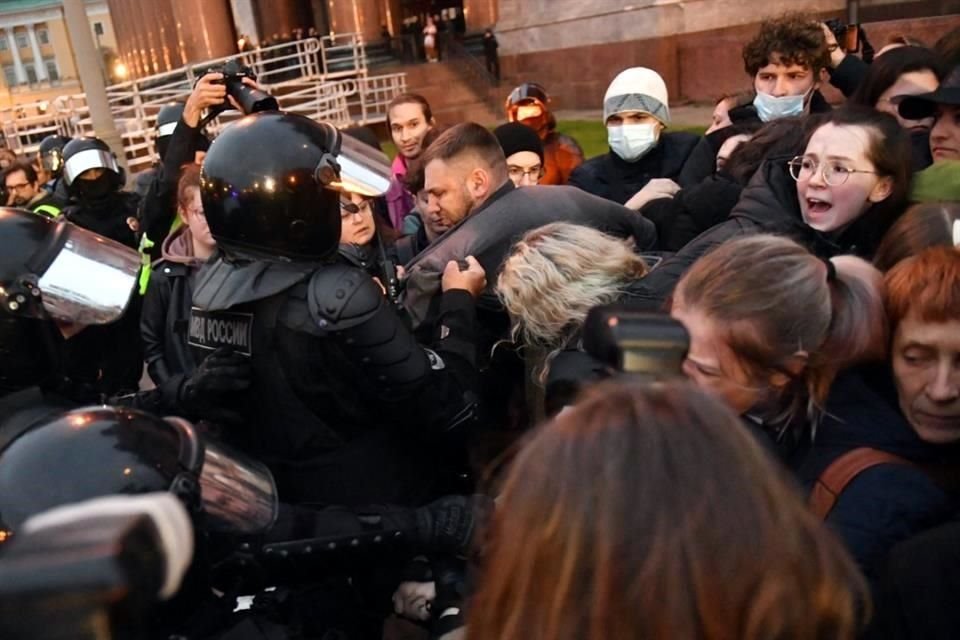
[[524, 152]]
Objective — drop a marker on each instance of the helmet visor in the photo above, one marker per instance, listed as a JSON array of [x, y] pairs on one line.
[[52, 161], [86, 160], [363, 169], [238, 493], [90, 279]]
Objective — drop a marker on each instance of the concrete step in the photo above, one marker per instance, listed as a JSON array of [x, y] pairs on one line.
[[450, 93]]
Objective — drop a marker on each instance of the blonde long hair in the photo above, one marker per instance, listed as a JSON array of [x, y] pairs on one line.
[[555, 274]]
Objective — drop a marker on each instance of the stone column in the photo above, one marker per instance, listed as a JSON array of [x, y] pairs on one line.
[[91, 77], [19, 71], [38, 63]]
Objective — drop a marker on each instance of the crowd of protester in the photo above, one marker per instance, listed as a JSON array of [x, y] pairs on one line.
[[797, 477]]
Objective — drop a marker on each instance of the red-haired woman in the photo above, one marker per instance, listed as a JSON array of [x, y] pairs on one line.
[[913, 414]]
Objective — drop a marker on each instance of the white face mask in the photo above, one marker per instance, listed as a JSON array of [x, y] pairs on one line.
[[633, 141], [772, 108]]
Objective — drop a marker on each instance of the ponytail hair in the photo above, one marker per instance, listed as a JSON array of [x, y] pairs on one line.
[[858, 324], [782, 310]]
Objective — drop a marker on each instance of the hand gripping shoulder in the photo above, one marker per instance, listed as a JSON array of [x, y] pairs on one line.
[[340, 297]]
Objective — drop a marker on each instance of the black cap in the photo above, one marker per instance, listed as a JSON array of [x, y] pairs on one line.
[[515, 137], [925, 105]]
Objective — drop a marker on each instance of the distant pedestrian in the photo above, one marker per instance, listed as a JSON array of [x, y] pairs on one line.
[[490, 46]]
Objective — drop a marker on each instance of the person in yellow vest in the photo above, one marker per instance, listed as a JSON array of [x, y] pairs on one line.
[[21, 182]]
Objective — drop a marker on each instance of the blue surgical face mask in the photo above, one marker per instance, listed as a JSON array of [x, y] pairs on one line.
[[772, 108], [633, 141]]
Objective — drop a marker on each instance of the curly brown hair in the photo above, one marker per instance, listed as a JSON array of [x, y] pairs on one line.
[[793, 38]]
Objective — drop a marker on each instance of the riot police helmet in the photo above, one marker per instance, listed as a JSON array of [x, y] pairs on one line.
[[90, 168], [52, 272], [51, 154], [100, 451], [269, 186], [167, 119]]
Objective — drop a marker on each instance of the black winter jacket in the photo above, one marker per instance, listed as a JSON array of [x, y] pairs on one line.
[[889, 502], [610, 177], [692, 210], [768, 204], [164, 321]]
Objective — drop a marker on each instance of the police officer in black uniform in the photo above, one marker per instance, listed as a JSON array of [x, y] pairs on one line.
[[345, 406], [56, 277], [58, 282], [94, 181], [50, 157], [157, 186]]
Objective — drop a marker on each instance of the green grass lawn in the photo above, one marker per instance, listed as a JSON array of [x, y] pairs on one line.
[[591, 135]]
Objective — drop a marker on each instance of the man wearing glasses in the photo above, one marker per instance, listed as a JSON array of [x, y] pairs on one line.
[[23, 187]]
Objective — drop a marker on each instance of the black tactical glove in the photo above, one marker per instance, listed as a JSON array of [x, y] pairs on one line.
[[222, 372], [449, 524]]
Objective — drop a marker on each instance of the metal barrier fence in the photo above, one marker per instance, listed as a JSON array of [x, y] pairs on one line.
[[324, 79]]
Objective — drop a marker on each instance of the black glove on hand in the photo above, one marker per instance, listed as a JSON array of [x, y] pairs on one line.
[[449, 524], [223, 371]]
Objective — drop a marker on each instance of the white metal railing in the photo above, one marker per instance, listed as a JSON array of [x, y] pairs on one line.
[[325, 79]]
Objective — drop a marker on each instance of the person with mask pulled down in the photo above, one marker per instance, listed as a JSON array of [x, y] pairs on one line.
[[784, 60], [636, 111]]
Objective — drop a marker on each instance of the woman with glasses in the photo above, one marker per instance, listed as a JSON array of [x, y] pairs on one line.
[[364, 241], [524, 153], [838, 194]]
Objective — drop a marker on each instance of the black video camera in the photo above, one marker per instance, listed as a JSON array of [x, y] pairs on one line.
[[92, 573], [652, 345], [847, 35], [250, 100]]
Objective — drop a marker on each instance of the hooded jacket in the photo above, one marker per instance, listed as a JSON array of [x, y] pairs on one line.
[[886, 503], [612, 178], [164, 322]]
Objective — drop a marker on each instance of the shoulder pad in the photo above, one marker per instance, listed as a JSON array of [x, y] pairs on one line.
[[340, 296]]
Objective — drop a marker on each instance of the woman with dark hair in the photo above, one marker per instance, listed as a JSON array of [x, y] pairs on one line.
[[838, 193], [904, 71], [930, 224], [647, 512]]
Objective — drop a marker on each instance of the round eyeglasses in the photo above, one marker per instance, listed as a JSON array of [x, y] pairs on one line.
[[803, 168], [518, 173]]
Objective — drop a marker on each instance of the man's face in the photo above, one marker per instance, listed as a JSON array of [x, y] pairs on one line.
[[448, 198], [926, 367], [945, 134], [21, 190], [780, 80], [408, 126]]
